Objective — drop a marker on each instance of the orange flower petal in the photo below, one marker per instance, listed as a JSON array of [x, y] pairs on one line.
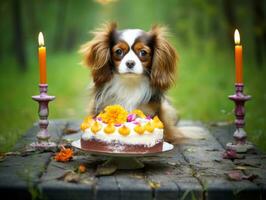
[[82, 168], [64, 155]]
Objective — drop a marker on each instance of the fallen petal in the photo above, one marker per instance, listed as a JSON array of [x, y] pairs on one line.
[[235, 175], [230, 154]]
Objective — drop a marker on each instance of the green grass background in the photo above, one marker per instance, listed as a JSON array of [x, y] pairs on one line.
[[204, 81]]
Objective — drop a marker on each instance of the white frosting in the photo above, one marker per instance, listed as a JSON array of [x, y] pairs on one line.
[[147, 139]]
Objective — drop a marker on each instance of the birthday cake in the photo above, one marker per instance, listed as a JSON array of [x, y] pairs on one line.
[[118, 130]]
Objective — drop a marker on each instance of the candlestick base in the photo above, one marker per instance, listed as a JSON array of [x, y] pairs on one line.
[[43, 135], [44, 146], [240, 144], [239, 148]]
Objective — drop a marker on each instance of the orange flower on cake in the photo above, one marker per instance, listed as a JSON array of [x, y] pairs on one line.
[[114, 114]]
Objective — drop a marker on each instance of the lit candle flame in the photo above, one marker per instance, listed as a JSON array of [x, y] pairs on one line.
[[40, 39], [237, 37]]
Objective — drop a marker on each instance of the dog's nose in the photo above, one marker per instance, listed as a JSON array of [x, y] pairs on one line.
[[130, 64]]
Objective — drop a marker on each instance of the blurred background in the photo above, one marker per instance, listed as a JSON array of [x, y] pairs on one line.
[[202, 33]]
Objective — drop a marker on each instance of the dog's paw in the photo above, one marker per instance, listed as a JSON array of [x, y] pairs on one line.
[[173, 135]]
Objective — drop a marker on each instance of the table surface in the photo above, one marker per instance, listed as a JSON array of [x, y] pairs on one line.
[[193, 170]]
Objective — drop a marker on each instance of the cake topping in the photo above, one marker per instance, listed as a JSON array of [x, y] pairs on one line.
[[131, 117], [139, 113], [86, 123], [139, 129], [157, 122], [116, 126], [96, 127], [124, 130], [110, 128], [149, 127], [84, 126], [156, 119], [136, 122], [115, 118], [115, 114], [149, 117], [88, 119]]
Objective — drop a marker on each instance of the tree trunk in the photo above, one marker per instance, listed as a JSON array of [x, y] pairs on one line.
[[71, 39], [60, 25], [19, 45], [31, 15], [259, 33], [228, 7]]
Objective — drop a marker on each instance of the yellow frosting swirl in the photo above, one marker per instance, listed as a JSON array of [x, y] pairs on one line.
[[88, 119], [84, 126], [139, 113], [157, 122], [96, 127], [139, 129], [110, 128], [86, 123], [124, 130], [149, 127]]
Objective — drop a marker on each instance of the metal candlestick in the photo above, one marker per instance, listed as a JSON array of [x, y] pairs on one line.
[[240, 144], [43, 135]]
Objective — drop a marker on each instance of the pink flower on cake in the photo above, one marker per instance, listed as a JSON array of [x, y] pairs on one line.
[[131, 117]]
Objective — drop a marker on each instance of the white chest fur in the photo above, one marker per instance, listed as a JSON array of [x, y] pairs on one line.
[[127, 90]]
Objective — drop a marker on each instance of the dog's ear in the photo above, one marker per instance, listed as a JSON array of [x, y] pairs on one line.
[[164, 59], [97, 53]]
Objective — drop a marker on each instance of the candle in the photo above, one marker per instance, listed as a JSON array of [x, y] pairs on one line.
[[42, 59], [238, 58]]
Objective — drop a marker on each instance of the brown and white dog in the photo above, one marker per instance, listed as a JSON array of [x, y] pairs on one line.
[[133, 68]]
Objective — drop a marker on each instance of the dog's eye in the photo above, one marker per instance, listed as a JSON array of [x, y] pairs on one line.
[[142, 53], [119, 52]]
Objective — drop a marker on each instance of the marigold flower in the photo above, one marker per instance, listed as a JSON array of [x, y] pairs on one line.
[[64, 155], [114, 114]]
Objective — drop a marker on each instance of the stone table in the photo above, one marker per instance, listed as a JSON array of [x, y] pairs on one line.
[[193, 170]]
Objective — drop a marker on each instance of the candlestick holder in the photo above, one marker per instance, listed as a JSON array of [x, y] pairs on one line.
[[240, 143], [43, 135]]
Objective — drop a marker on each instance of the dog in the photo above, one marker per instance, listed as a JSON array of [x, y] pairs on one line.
[[133, 68]]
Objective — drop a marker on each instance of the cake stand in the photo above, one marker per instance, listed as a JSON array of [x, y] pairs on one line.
[[123, 160]]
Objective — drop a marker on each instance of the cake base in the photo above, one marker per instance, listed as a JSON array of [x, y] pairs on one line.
[[115, 147], [124, 163]]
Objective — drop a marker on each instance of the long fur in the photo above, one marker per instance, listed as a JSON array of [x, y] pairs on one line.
[[137, 91], [97, 54], [143, 92], [164, 60]]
